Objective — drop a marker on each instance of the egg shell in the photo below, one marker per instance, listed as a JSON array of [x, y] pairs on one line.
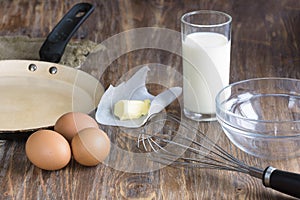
[[71, 123], [48, 150], [90, 146]]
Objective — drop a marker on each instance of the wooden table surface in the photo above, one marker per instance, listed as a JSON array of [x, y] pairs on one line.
[[265, 42]]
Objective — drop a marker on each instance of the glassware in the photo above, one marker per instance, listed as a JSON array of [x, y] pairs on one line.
[[206, 43]]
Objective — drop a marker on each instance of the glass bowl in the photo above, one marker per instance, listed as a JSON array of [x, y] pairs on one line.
[[262, 116]]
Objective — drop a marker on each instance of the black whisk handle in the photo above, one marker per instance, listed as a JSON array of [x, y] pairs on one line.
[[282, 181]]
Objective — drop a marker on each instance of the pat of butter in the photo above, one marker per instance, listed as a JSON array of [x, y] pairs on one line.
[[131, 109]]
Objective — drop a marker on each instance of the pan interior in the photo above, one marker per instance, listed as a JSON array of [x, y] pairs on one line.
[[36, 99]]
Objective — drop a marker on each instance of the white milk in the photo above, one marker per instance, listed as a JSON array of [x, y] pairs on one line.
[[206, 65]]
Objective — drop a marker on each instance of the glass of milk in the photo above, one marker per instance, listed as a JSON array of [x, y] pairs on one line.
[[206, 41]]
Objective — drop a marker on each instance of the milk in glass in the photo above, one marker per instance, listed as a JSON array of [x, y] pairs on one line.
[[206, 65]]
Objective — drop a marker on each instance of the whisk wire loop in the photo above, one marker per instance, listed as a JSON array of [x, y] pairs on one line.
[[187, 139]]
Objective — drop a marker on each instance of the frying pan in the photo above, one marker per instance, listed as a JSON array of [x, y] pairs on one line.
[[34, 94]]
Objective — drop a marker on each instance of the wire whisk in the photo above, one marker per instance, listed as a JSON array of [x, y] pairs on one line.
[[174, 142]]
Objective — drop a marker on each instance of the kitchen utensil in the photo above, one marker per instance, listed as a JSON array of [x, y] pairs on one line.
[[262, 116], [175, 142], [34, 94]]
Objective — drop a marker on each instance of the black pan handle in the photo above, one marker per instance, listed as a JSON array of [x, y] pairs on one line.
[[282, 181], [54, 46]]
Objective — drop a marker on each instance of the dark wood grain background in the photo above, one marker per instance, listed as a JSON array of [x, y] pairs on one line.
[[265, 42]]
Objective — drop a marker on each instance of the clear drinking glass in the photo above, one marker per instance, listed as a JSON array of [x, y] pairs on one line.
[[206, 43]]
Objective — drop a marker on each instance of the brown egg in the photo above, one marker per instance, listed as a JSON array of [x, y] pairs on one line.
[[90, 146], [71, 123], [48, 150]]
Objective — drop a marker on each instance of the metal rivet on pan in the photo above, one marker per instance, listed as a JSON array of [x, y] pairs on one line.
[[53, 70], [32, 67]]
